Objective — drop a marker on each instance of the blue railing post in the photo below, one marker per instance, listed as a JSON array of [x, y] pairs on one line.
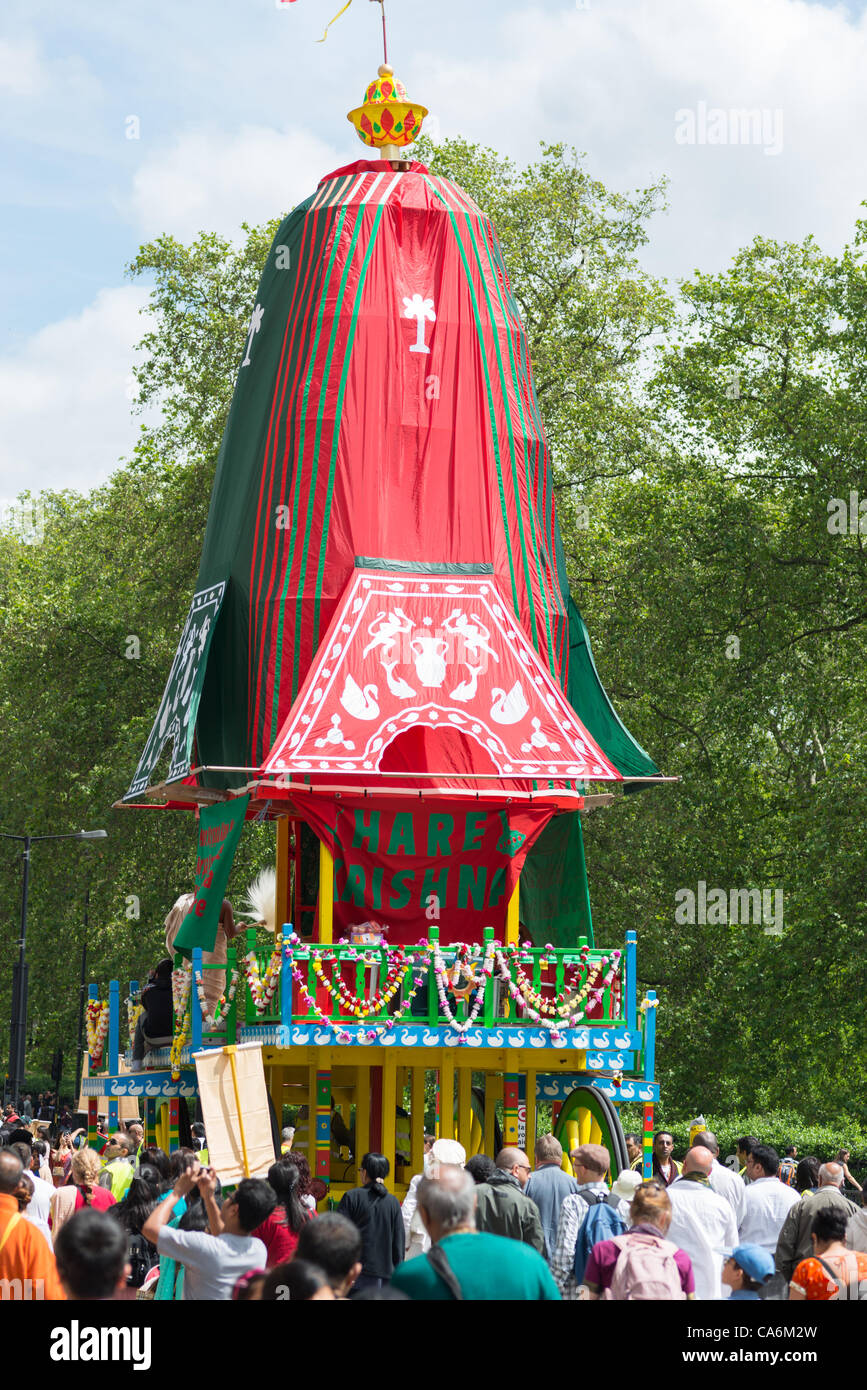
[[113, 1026], [195, 1006], [650, 1036], [133, 991], [630, 984]]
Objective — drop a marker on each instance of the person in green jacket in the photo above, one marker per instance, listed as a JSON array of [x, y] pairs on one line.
[[502, 1207], [463, 1262]]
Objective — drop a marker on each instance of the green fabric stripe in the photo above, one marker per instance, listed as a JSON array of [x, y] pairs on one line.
[[347, 357], [311, 495], [299, 470], [525, 432], [265, 543], [504, 392], [496, 442]]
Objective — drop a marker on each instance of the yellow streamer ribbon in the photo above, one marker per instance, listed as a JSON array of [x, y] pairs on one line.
[[334, 21]]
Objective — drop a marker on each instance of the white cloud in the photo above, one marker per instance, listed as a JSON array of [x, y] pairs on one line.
[[65, 397], [209, 180], [609, 80], [21, 69]]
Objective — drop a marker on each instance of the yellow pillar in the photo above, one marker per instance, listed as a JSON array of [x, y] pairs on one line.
[[530, 1092], [512, 917], [311, 1116], [326, 895], [275, 1089], [389, 1100], [362, 1113], [417, 1119], [447, 1094], [493, 1093], [465, 1108]]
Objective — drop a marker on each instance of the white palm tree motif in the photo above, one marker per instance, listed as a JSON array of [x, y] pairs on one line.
[[422, 310], [255, 324]]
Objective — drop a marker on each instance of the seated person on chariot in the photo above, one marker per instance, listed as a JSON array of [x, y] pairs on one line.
[[213, 981], [153, 1028]]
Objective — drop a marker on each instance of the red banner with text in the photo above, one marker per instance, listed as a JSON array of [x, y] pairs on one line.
[[411, 864]]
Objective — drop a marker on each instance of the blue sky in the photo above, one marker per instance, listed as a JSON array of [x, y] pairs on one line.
[[241, 111]]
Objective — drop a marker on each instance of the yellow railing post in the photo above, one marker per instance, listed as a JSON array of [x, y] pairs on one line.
[[326, 895]]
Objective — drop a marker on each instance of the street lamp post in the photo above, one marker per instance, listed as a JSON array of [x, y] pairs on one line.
[[19, 983]]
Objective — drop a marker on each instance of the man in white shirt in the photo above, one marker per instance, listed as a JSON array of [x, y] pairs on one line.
[[768, 1200], [214, 1262], [722, 1179], [702, 1222]]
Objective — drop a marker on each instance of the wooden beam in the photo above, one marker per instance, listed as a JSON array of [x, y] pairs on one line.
[[284, 835]]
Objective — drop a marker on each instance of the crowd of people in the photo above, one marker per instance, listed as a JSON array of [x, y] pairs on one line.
[[135, 1222]]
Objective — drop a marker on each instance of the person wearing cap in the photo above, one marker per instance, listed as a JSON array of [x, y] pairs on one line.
[[625, 1186], [549, 1186], [449, 1151], [746, 1270]]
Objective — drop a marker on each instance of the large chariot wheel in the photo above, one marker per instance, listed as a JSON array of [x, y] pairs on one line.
[[589, 1117]]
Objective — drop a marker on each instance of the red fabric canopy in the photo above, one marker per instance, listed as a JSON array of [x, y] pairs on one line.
[[426, 676]]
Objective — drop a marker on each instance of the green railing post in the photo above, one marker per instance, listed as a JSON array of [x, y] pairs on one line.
[[231, 1018], [488, 1006], [433, 1003]]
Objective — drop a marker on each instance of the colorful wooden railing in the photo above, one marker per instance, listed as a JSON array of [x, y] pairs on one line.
[[547, 970]]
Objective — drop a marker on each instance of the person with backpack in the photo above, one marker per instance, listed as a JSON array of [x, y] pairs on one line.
[[641, 1265], [789, 1166], [587, 1217], [702, 1222], [834, 1272], [140, 1200]]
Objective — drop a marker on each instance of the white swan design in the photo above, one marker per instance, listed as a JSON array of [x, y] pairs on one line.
[[596, 1062], [508, 708], [516, 1039], [473, 1038], [408, 1037], [537, 1040], [622, 1042], [430, 1039], [495, 1038], [361, 704]]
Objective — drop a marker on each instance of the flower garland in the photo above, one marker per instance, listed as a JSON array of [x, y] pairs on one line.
[[399, 968], [263, 988], [210, 1021], [442, 972], [373, 1034], [536, 1004], [97, 1029], [181, 982], [133, 1013], [179, 1042]]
